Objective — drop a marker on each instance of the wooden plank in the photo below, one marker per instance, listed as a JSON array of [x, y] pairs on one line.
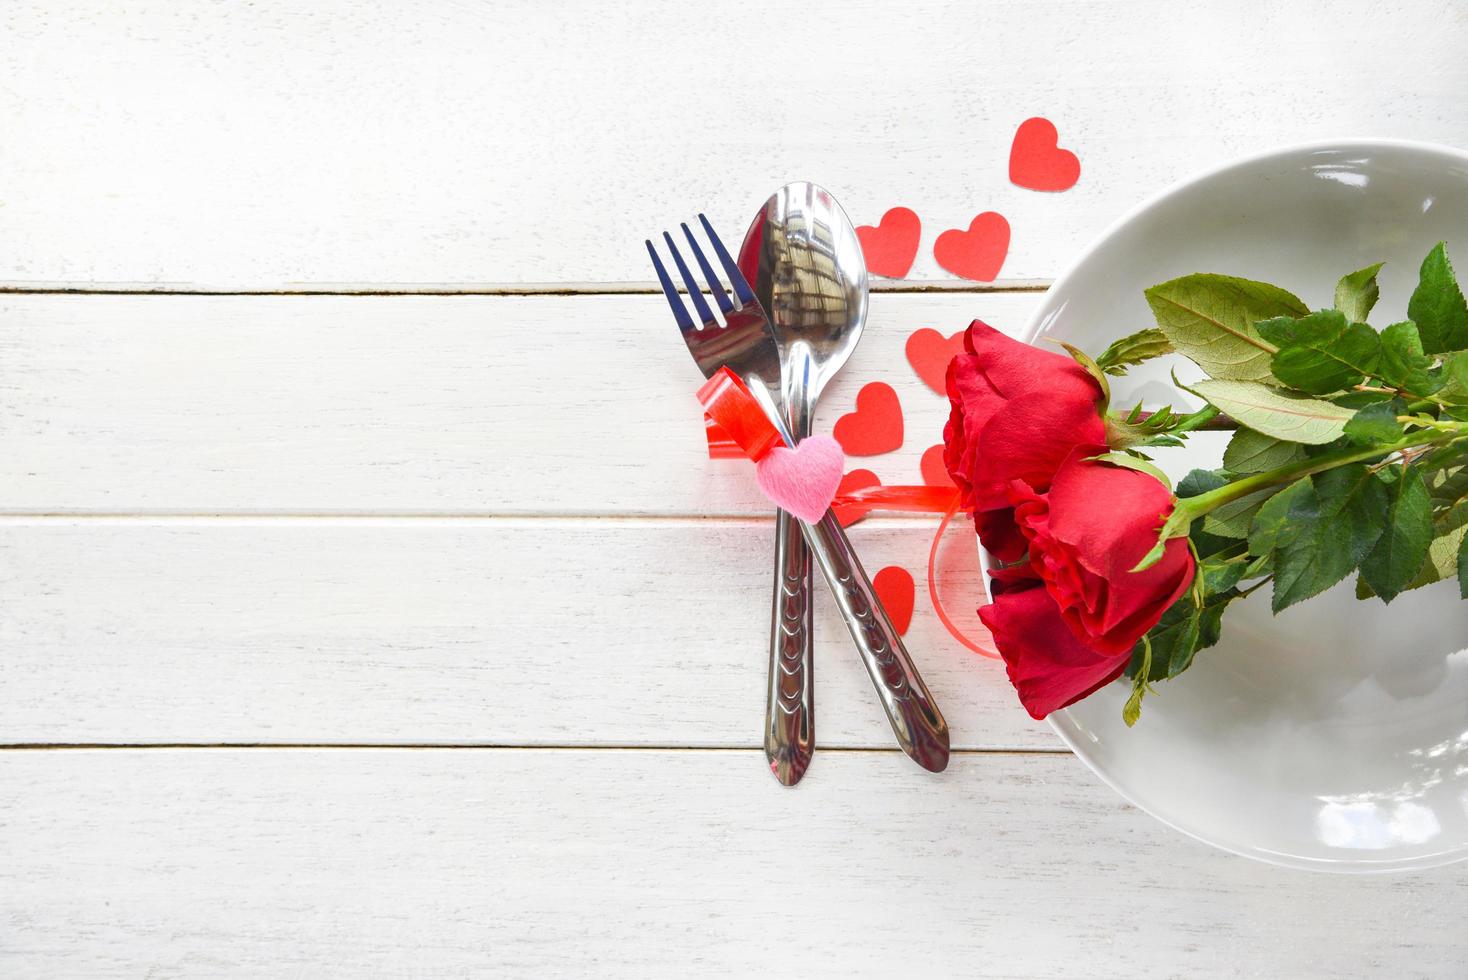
[[654, 864], [505, 632], [274, 143], [408, 405]]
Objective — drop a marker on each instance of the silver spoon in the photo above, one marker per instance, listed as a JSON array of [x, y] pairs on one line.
[[802, 256]]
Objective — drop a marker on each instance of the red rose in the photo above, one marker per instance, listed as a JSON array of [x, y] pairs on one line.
[[1023, 426], [1076, 634], [1016, 413], [1087, 534]]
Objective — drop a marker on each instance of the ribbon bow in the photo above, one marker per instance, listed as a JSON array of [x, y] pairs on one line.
[[802, 480]]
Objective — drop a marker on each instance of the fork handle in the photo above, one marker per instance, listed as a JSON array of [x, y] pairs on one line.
[[916, 720]]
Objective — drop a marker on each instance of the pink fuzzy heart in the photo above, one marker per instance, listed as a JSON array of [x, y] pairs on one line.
[[802, 480]]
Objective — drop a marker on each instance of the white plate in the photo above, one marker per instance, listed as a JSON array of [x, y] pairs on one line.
[[1334, 736]]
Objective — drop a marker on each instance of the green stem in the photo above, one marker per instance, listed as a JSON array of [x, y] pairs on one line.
[[1256, 586], [1203, 503], [1197, 420]]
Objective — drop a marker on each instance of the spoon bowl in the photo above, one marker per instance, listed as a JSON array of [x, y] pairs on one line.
[[802, 257]]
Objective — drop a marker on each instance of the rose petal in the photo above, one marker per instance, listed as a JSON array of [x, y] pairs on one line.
[[1047, 665], [1085, 536], [1000, 535], [1028, 440], [996, 370], [1013, 368]]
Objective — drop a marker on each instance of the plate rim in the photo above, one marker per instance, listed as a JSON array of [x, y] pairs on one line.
[[1061, 721]]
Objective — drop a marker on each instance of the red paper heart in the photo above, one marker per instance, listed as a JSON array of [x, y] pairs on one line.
[[876, 425], [890, 247], [929, 352], [857, 480], [978, 253], [934, 470], [895, 589], [1036, 160]]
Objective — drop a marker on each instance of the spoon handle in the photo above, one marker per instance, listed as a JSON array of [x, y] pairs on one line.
[[790, 707], [790, 733], [915, 719]]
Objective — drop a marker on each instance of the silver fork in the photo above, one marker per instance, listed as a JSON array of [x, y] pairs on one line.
[[745, 343]]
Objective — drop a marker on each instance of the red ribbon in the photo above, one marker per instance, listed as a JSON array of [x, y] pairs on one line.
[[852, 507], [735, 426], [733, 421]]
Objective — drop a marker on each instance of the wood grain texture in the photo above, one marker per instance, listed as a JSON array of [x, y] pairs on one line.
[[271, 144], [404, 405], [348, 863], [505, 632], [381, 520]]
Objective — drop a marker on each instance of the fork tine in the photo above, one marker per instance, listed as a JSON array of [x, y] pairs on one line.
[[706, 314], [736, 278], [715, 286], [680, 312]]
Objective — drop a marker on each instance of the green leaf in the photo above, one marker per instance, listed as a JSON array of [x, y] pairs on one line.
[[1403, 364], [1200, 481], [1253, 452], [1357, 292], [1403, 546], [1233, 519], [1463, 567], [1220, 576], [1211, 621], [1210, 628], [1437, 305], [1353, 498], [1322, 352], [1442, 561], [1448, 488], [1356, 400], [1132, 710], [1134, 349], [1168, 648], [1375, 424], [1330, 530], [1449, 529], [1210, 319], [1094, 370], [1454, 375], [1175, 635], [1293, 418], [1281, 517], [1138, 463], [1206, 544]]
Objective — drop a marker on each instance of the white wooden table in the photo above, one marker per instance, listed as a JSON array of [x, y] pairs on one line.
[[366, 604]]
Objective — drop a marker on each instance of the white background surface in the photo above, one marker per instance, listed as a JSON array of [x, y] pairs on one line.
[[387, 633]]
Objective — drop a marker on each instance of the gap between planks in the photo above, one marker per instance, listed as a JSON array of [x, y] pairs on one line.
[[10, 518], [482, 746], [468, 289]]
